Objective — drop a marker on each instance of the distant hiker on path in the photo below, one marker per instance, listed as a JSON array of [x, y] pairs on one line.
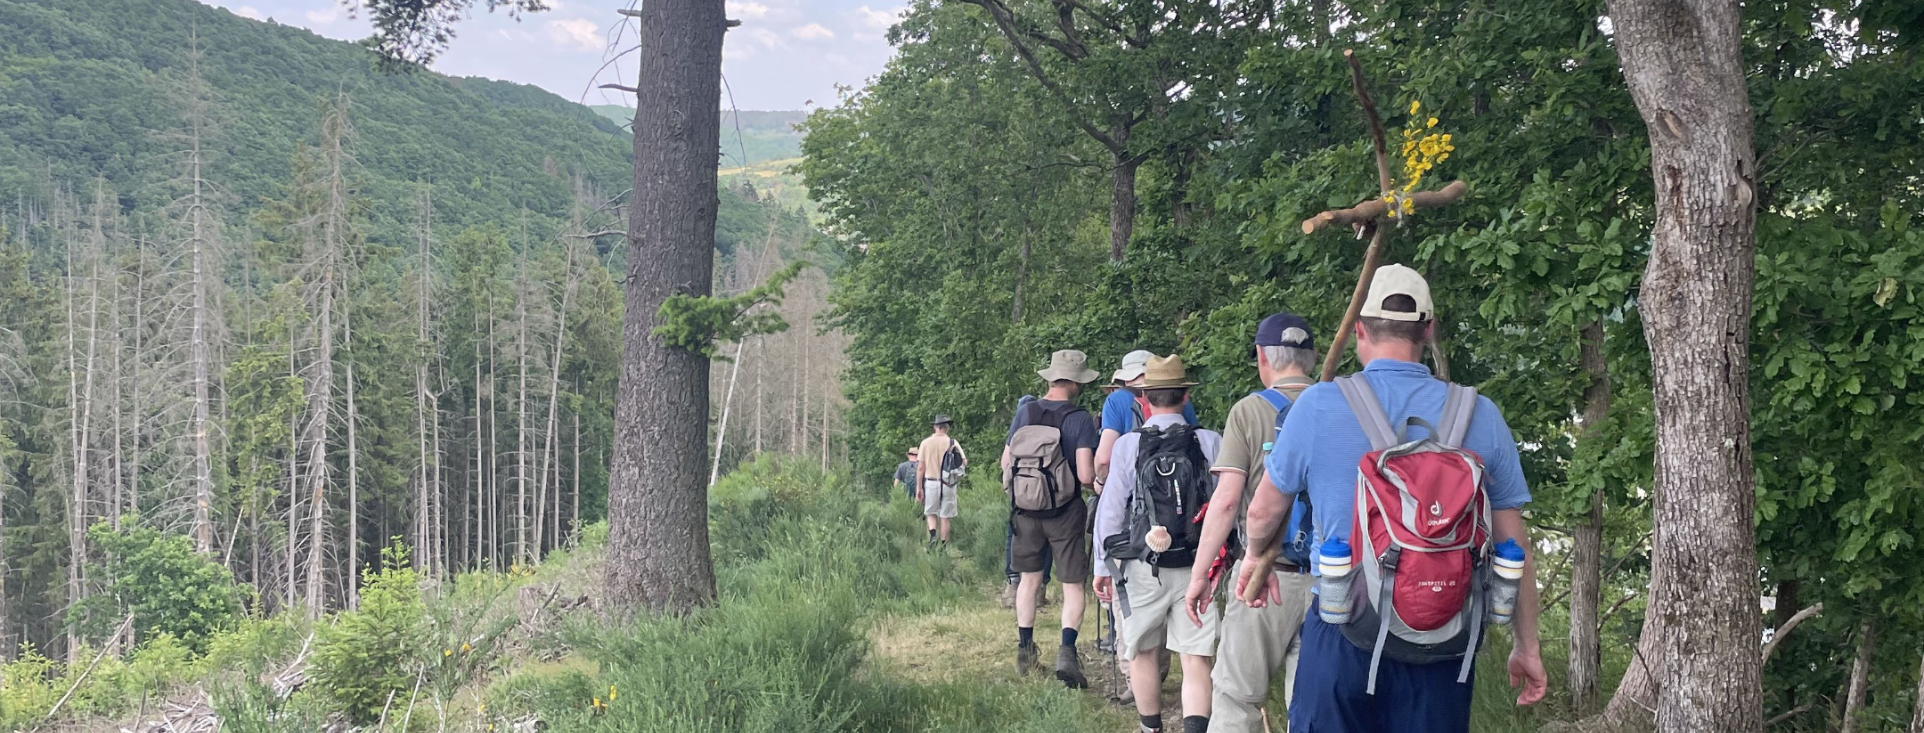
[[1146, 540], [1049, 457], [905, 474], [1329, 430], [939, 466], [1256, 642]]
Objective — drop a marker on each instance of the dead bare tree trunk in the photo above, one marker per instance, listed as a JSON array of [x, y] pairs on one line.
[[1917, 701], [424, 491], [1682, 60], [1860, 674], [721, 431], [329, 264], [200, 242], [352, 577], [658, 555], [81, 407], [523, 556], [1586, 581]]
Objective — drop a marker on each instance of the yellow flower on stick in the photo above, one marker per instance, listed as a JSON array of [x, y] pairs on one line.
[[1423, 149]]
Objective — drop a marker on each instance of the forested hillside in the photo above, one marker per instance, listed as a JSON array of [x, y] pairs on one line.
[[1027, 177], [268, 302]]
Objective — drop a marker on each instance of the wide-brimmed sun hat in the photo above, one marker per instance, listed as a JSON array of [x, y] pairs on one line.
[[1068, 364], [1165, 372]]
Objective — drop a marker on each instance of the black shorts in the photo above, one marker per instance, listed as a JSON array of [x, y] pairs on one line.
[[1066, 534]]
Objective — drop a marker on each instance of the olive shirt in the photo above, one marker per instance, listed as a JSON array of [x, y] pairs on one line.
[[1247, 438]]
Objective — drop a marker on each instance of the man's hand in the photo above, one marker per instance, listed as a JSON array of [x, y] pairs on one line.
[[918, 497], [1271, 591], [1106, 592], [1202, 590], [1526, 671]]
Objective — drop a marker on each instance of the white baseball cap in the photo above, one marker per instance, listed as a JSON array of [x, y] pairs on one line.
[[1398, 280], [1133, 365]]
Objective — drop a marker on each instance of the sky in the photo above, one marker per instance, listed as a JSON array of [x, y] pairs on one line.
[[787, 54]]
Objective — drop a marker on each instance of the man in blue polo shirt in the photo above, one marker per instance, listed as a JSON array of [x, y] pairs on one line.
[[1318, 452]]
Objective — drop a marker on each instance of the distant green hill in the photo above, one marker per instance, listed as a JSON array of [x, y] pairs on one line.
[[763, 136]]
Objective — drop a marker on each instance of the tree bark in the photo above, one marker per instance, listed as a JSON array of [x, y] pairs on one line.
[[1860, 674], [1917, 702], [424, 350], [657, 506], [1683, 62], [1122, 202], [1586, 581]]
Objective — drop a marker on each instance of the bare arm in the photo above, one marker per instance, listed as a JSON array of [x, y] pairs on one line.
[[1526, 661], [1085, 466], [1105, 448], [1008, 457], [1268, 509]]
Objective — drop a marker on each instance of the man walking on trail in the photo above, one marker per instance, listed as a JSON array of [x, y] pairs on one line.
[[905, 474], [1321, 444], [939, 466], [1049, 457], [1146, 541], [1008, 541], [1123, 409], [1256, 642]]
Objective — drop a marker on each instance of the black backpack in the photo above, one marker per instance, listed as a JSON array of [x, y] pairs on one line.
[[1173, 485]]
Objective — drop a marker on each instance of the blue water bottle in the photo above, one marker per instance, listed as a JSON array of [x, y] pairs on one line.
[[1332, 589], [1508, 563]]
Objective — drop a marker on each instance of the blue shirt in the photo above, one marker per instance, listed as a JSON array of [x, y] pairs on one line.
[[1118, 412], [1322, 442]]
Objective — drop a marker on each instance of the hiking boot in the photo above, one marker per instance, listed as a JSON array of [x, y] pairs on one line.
[[1127, 695], [1008, 596], [1025, 659], [1069, 668]]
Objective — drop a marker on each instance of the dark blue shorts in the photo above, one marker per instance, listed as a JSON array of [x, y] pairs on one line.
[[1332, 674]]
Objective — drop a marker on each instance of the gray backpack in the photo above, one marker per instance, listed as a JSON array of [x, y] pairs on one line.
[[1041, 477]]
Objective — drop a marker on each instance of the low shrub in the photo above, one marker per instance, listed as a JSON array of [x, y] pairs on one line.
[[371, 653]]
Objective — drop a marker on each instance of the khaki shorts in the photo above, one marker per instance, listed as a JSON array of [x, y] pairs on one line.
[[938, 499], [1062, 533], [1156, 617]]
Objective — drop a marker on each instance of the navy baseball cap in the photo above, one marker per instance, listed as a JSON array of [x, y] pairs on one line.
[[1285, 329]]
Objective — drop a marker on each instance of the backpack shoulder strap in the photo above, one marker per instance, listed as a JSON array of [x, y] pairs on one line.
[[1369, 412], [1459, 405], [1275, 398]]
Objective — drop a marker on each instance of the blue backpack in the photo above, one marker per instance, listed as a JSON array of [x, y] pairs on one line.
[[1298, 540]]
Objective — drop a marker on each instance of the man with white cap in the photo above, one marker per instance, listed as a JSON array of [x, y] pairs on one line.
[[1124, 409], [1318, 451]]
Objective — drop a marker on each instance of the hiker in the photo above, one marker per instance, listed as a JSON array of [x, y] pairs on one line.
[[905, 474], [1008, 540], [1327, 434], [1049, 457], [1256, 642], [1146, 546], [1123, 409], [937, 479]]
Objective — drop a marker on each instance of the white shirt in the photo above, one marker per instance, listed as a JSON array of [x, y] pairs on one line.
[[1113, 506]]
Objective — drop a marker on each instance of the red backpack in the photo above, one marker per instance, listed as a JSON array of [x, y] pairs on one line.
[[1421, 534]]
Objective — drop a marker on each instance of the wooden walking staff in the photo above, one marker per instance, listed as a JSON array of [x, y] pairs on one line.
[[1365, 218]]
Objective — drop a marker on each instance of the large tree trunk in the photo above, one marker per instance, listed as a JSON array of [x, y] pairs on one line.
[[1917, 703], [657, 508], [1586, 574], [1683, 62], [1860, 674], [1122, 202]]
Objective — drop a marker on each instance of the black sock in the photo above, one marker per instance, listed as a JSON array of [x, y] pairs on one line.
[[1151, 722], [1195, 724], [1025, 636], [1068, 637], [931, 535]]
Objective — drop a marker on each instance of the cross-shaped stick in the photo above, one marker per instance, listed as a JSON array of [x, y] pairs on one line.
[[1366, 218]]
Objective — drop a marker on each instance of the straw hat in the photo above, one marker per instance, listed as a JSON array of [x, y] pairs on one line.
[[1165, 372]]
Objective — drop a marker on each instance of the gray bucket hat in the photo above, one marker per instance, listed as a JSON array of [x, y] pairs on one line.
[[1068, 364]]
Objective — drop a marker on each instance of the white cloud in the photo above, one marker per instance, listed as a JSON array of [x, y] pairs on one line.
[[812, 32], [743, 9], [323, 17], [580, 34], [879, 20], [763, 36], [249, 11]]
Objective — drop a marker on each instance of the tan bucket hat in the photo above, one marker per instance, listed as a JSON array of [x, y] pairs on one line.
[[1068, 364], [1165, 372]]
